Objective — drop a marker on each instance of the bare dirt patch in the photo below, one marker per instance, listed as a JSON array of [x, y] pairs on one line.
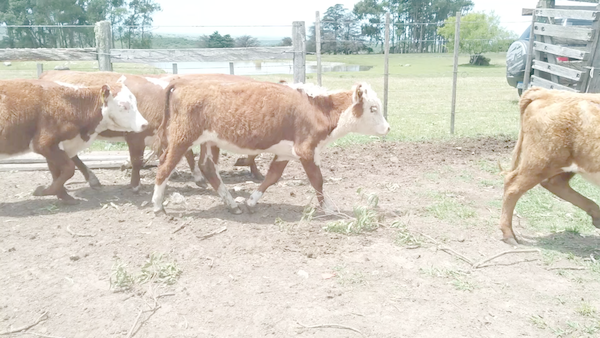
[[271, 274]]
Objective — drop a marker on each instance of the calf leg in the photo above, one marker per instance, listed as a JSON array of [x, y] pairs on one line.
[[169, 160], [90, 177], [316, 180], [210, 171], [273, 175], [559, 186], [516, 183], [196, 173], [136, 145], [62, 169], [250, 161]]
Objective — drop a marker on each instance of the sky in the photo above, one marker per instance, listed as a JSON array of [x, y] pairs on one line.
[[218, 14]]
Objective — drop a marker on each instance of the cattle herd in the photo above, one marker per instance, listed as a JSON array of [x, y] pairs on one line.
[[63, 112]]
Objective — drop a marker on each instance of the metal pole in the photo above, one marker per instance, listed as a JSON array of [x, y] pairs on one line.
[[455, 73], [318, 46], [231, 68], [174, 68], [386, 65], [527, 74]]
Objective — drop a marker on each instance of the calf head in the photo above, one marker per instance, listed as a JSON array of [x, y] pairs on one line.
[[121, 112], [366, 109]]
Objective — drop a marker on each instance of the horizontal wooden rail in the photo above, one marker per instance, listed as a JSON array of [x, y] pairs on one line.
[[48, 54], [569, 32], [539, 82], [559, 50], [567, 14], [200, 54], [561, 71]]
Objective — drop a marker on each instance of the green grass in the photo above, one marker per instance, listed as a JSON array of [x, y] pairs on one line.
[[447, 207]]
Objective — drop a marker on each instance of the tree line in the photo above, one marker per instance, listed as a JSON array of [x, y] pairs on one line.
[[415, 26], [130, 20]]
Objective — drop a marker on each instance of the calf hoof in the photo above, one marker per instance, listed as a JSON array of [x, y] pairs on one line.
[[136, 189], [39, 191], [257, 176], [71, 201], [251, 208], [95, 184], [201, 184], [511, 241], [159, 211], [235, 211]]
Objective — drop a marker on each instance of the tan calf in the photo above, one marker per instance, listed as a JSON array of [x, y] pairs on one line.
[[59, 120], [261, 117], [559, 137]]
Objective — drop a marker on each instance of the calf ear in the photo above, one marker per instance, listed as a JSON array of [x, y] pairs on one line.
[[357, 96], [104, 94]]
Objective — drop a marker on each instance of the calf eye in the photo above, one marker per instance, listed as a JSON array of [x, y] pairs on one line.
[[373, 109]]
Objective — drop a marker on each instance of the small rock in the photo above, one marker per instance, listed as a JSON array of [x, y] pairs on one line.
[[237, 188], [12, 249], [394, 159], [74, 258], [302, 273], [240, 200], [177, 198], [145, 203]]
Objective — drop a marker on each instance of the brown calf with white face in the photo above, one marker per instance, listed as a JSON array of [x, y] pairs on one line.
[[59, 120], [261, 117], [559, 137]]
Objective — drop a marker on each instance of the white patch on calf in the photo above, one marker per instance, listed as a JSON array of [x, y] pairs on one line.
[[122, 79], [69, 85], [73, 146], [253, 199], [161, 83], [159, 196], [573, 168], [593, 178], [284, 149], [123, 112]]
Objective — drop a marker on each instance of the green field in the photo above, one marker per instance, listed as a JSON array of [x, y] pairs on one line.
[[420, 88]]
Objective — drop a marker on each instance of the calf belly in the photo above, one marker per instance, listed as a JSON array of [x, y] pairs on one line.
[[284, 149], [592, 177]]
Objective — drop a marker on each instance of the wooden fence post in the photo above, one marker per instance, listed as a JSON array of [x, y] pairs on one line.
[[103, 41], [318, 46], [386, 65], [174, 68], [299, 44], [40, 69], [231, 68], [455, 72]]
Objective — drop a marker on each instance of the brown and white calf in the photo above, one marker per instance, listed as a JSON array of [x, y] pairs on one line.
[[559, 137], [149, 91], [261, 117], [59, 120]]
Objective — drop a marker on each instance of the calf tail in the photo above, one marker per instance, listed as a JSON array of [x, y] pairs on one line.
[[529, 96], [160, 142]]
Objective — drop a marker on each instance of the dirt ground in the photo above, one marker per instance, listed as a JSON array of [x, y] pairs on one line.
[[270, 274]]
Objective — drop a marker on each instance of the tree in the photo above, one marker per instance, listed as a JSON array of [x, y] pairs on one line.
[[340, 31], [413, 22], [216, 40], [139, 19], [246, 41], [479, 33], [287, 41]]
